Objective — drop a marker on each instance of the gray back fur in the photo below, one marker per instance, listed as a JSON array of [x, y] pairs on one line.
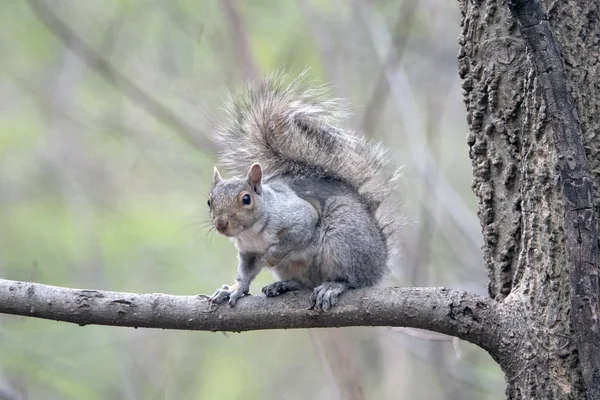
[[289, 130]]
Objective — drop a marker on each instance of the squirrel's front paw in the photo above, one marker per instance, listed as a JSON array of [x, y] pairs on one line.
[[232, 293]]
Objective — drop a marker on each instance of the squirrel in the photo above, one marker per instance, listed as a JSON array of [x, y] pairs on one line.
[[314, 203]]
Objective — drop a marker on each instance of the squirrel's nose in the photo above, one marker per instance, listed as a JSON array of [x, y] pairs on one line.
[[221, 224]]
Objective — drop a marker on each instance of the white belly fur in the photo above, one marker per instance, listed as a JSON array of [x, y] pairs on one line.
[[250, 241]]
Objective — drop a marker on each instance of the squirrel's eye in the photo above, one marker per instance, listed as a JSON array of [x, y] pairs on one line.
[[208, 202], [246, 200]]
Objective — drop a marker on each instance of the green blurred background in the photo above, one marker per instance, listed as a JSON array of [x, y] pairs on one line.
[[106, 112]]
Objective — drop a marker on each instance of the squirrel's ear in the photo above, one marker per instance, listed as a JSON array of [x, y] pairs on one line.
[[216, 177], [255, 177]]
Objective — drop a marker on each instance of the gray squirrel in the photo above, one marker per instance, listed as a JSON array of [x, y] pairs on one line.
[[315, 205]]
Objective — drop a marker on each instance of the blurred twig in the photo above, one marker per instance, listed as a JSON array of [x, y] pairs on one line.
[[111, 75], [460, 371], [324, 360], [400, 33], [180, 19], [336, 355], [8, 393], [239, 34], [325, 40], [429, 209], [423, 159]]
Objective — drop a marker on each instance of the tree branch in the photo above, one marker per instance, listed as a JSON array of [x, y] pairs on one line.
[[580, 219], [453, 312]]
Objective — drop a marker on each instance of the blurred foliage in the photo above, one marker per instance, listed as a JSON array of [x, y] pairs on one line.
[[97, 192]]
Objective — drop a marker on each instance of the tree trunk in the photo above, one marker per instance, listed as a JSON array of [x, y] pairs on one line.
[[531, 83]]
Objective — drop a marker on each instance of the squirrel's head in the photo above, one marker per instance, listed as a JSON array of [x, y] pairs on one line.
[[236, 204]]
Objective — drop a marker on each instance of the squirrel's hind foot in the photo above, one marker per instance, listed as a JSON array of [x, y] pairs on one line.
[[325, 296]]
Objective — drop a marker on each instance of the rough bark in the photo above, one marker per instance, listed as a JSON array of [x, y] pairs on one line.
[[535, 193], [453, 312], [578, 32], [580, 221], [493, 66]]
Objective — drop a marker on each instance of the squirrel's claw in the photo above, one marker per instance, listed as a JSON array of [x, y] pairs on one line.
[[325, 296], [271, 290], [220, 296], [232, 294]]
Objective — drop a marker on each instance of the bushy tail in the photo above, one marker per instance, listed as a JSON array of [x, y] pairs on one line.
[[289, 131]]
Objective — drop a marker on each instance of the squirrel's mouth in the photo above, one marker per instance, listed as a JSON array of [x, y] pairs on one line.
[[224, 232], [225, 227], [227, 232]]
